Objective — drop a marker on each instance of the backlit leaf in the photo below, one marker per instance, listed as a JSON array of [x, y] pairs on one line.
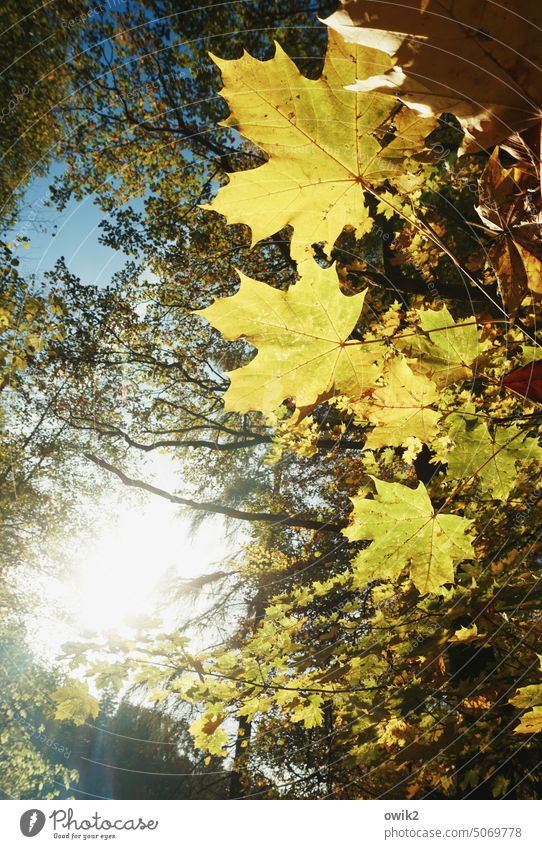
[[301, 336], [406, 530], [479, 61], [74, 702], [401, 409], [325, 145], [445, 351], [493, 457], [516, 254]]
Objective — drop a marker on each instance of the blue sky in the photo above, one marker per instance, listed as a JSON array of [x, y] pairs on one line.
[[72, 233]]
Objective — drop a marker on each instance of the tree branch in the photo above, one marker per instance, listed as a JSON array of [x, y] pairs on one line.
[[212, 507]]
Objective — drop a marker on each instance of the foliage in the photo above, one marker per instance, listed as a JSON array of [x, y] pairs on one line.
[[474, 60], [326, 146], [405, 529], [529, 697], [35, 78], [32, 743], [74, 702], [506, 208], [428, 399], [381, 444], [302, 337]]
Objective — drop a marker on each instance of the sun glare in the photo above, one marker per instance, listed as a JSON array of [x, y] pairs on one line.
[[120, 575]]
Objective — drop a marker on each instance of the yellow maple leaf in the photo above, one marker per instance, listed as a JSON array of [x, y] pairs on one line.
[[302, 340], [326, 145], [401, 409], [75, 703], [465, 634]]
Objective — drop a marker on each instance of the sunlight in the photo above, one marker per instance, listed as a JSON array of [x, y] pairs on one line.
[[120, 575]]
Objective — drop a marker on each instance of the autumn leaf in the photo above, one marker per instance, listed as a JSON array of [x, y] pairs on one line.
[[310, 713], [209, 735], [481, 703], [444, 350], [529, 697], [401, 409], [302, 340], [507, 210], [526, 381], [75, 703], [465, 634], [406, 531], [493, 457], [480, 61], [392, 732], [325, 145], [531, 722]]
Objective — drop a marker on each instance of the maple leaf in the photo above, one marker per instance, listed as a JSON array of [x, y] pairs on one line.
[[516, 254], [310, 714], [494, 457], [401, 409], [75, 703], [325, 145], [465, 634], [406, 531], [531, 722], [209, 735], [445, 351], [301, 335], [529, 697], [392, 731], [480, 61]]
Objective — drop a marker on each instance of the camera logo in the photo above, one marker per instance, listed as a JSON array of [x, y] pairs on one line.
[[32, 822]]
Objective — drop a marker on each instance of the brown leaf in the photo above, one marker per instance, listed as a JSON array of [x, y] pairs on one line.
[[507, 207], [212, 724], [479, 60]]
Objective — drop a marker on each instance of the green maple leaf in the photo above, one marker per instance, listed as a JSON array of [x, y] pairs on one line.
[[493, 457], [326, 145], [402, 408], [406, 531], [445, 351], [301, 336]]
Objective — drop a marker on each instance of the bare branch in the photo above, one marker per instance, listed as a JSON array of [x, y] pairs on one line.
[[283, 519]]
